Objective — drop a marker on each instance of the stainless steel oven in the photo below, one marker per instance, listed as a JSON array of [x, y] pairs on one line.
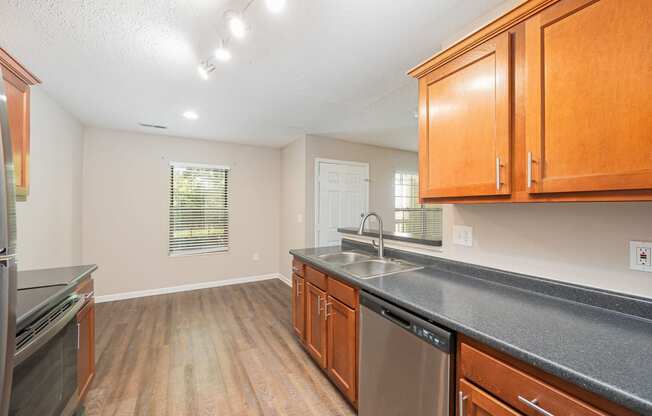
[[45, 364]]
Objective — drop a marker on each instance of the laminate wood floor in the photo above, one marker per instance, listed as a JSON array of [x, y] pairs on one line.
[[221, 351]]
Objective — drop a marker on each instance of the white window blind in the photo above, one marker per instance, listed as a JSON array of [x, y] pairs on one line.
[[409, 215], [199, 209]]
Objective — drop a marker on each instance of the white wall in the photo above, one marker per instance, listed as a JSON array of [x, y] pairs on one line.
[[49, 222], [293, 202], [125, 227], [583, 243], [383, 162]]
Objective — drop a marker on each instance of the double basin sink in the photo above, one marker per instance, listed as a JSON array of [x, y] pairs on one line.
[[364, 266]]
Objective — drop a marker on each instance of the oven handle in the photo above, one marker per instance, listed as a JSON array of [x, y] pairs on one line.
[[52, 330]]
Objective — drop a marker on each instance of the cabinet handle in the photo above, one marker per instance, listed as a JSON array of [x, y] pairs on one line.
[[529, 169], [533, 404], [78, 335], [318, 305], [295, 269], [326, 305], [462, 399], [498, 173]]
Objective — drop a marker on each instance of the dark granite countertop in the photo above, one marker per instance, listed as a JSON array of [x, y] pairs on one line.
[[39, 290], [392, 235], [550, 325]]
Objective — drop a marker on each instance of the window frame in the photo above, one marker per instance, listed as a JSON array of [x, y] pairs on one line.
[[199, 252], [419, 206]]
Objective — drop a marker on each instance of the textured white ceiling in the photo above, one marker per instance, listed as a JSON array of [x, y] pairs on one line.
[[329, 67]]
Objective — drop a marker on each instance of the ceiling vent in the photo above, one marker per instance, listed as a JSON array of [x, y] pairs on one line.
[[153, 126]]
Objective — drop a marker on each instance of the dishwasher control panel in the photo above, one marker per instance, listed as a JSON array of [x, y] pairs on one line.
[[430, 337]]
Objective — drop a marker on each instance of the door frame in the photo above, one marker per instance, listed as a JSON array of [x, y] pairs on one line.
[[319, 160]]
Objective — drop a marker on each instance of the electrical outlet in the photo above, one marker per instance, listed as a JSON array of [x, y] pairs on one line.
[[463, 235], [640, 256], [256, 257]]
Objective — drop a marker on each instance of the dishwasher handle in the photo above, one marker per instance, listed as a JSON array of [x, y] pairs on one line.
[[396, 319], [432, 334]]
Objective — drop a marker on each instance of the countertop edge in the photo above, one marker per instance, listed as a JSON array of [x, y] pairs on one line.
[[598, 387]]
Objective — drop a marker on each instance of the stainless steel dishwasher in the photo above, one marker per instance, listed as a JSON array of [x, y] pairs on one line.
[[405, 362]]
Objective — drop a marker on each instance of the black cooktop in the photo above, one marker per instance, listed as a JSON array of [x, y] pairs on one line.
[[33, 302]]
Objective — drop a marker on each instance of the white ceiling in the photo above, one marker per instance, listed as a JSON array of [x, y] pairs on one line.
[[328, 67]]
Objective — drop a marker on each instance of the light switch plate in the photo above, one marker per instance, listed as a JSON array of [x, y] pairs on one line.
[[640, 255], [463, 235]]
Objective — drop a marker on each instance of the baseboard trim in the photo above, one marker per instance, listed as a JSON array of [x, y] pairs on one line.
[[283, 278], [190, 287]]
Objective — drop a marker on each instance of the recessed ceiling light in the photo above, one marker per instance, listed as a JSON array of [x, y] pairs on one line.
[[237, 26], [222, 54], [191, 115], [275, 6]]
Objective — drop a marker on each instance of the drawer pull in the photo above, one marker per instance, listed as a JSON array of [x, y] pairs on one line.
[[462, 399], [534, 406], [295, 269]]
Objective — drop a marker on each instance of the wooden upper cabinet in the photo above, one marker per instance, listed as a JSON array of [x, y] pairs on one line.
[[548, 103], [17, 82], [464, 124], [589, 96]]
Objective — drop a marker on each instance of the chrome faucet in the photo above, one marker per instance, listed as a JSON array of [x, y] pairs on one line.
[[381, 244]]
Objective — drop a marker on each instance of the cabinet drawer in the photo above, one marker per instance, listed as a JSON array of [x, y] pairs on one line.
[[342, 292], [516, 387], [316, 277], [298, 267]]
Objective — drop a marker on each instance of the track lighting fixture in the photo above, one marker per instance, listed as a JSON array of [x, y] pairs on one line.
[[238, 29]]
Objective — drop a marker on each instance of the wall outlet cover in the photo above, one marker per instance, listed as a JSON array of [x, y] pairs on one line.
[[463, 235], [640, 255]]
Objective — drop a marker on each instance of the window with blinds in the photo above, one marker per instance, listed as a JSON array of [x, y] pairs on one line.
[[199, 209], [409, 215]]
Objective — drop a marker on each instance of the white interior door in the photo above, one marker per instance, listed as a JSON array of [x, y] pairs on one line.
[[342, 191]]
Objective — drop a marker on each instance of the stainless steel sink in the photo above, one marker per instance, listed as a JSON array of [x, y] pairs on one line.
[[344, 257], [377, 268]]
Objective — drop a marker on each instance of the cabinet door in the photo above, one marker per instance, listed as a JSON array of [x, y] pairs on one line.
[[316, 324], [17, 96], [341, 351], [298, 306], [472, 401], [464, 124], [588, 96], [86, 351]]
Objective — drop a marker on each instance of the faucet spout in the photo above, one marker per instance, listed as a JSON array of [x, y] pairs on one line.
[[381, 243]]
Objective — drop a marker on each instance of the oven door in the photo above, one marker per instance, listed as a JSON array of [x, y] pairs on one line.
[[45, 372]]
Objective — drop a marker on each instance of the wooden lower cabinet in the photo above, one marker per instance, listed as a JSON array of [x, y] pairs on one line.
[[491, 383], [299, 306], [316, 324], [86, 352], [476, 402], [326, 310], [341, 352]]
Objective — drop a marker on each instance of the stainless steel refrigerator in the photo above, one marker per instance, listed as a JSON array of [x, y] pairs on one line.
[[8, 271]]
